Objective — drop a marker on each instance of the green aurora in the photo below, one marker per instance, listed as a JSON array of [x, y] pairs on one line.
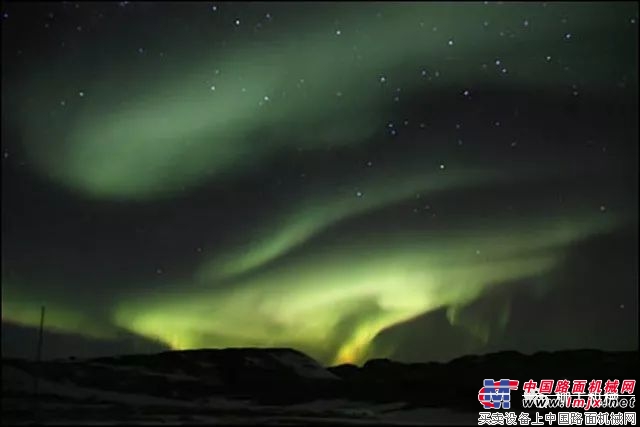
[[299, 273]]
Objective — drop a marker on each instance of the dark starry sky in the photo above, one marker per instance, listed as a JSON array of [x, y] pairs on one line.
[[407, 180]]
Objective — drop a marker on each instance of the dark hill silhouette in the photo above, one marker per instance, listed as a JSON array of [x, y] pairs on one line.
[[456, 383], [281, 377]]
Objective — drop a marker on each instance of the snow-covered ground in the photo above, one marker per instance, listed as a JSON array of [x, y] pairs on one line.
[[67, 403], [15, 380]]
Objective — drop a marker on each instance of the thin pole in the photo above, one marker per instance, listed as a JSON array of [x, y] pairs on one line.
[[39, 356], [37, 367]]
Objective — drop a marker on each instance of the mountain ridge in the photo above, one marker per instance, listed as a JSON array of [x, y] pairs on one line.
[[283, 382]]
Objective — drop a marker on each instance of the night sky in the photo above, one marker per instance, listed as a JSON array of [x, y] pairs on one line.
[[416, 181]]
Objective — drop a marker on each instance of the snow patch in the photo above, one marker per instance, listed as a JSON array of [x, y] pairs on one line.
[[304, 366]]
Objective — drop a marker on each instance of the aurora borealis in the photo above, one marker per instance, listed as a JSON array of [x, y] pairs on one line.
[[355, 180]]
